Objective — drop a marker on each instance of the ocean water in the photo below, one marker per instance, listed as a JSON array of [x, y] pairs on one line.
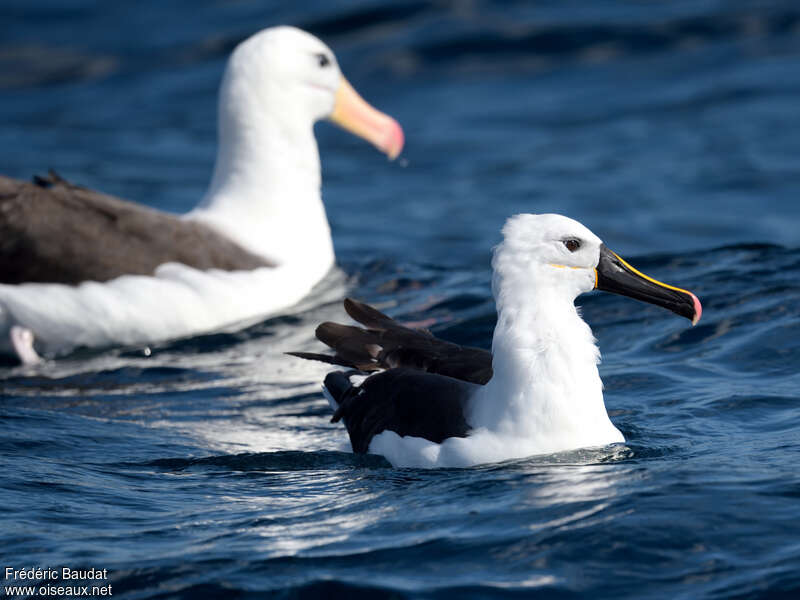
[[207, 468]]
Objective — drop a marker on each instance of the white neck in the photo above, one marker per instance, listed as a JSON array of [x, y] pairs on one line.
[[265, 191], [546, 387]]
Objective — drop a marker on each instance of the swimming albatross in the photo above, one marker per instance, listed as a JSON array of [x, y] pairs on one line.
[[80, 268], [424, 402]]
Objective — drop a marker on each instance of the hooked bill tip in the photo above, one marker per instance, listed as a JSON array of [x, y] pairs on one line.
[[698, 309], [395, 139]]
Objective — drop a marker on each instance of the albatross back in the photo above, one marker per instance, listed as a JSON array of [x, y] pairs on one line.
[[52, 231]]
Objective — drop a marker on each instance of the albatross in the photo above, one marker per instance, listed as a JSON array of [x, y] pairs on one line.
[[424, 402], [81, 268]]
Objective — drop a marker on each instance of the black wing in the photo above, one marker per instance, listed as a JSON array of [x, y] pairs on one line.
[[52, 231], [406, 401], [385, 344]]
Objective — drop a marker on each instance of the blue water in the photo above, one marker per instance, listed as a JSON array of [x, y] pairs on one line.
[[209, 468]]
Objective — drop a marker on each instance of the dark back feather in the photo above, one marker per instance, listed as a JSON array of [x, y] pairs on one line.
[[405, 401], [386, 344], [52, 231]]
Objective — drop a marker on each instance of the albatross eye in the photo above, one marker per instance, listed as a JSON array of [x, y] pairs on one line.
[[322, 59], [572, 244]]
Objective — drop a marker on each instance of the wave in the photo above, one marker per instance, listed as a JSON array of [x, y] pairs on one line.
[[268, 461]]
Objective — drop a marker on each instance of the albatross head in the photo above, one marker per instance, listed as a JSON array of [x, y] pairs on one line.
[[296, 77], [265, 192], [563, 255]]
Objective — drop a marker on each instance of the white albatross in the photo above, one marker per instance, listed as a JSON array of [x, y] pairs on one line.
[[423, 402], [79, 268]]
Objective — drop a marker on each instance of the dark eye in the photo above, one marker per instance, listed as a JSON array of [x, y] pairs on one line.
[[572, 244], [322, 59]]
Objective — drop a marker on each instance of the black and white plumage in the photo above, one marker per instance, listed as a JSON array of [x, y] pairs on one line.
[[80, 268], [425, 402]]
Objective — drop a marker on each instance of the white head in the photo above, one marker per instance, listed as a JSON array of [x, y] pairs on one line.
[[290, 64], [289, 77], [553, 251], [558, 254], [546, 387], [265, 191]]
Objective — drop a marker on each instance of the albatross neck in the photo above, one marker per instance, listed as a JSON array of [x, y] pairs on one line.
[[546, 386], [265, 191]]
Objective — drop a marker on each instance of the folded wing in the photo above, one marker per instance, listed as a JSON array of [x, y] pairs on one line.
[[417, 385], [383, 343], [52, 231], [406, 401]]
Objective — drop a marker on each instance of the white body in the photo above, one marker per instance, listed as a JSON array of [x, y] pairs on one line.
[[546, 395], [135, 309]]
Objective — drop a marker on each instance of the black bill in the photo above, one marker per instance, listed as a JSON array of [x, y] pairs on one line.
[[618, 277]]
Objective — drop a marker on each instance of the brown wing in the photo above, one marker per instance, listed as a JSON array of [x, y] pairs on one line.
[[385, 344], [406, 401], [52, 231]]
